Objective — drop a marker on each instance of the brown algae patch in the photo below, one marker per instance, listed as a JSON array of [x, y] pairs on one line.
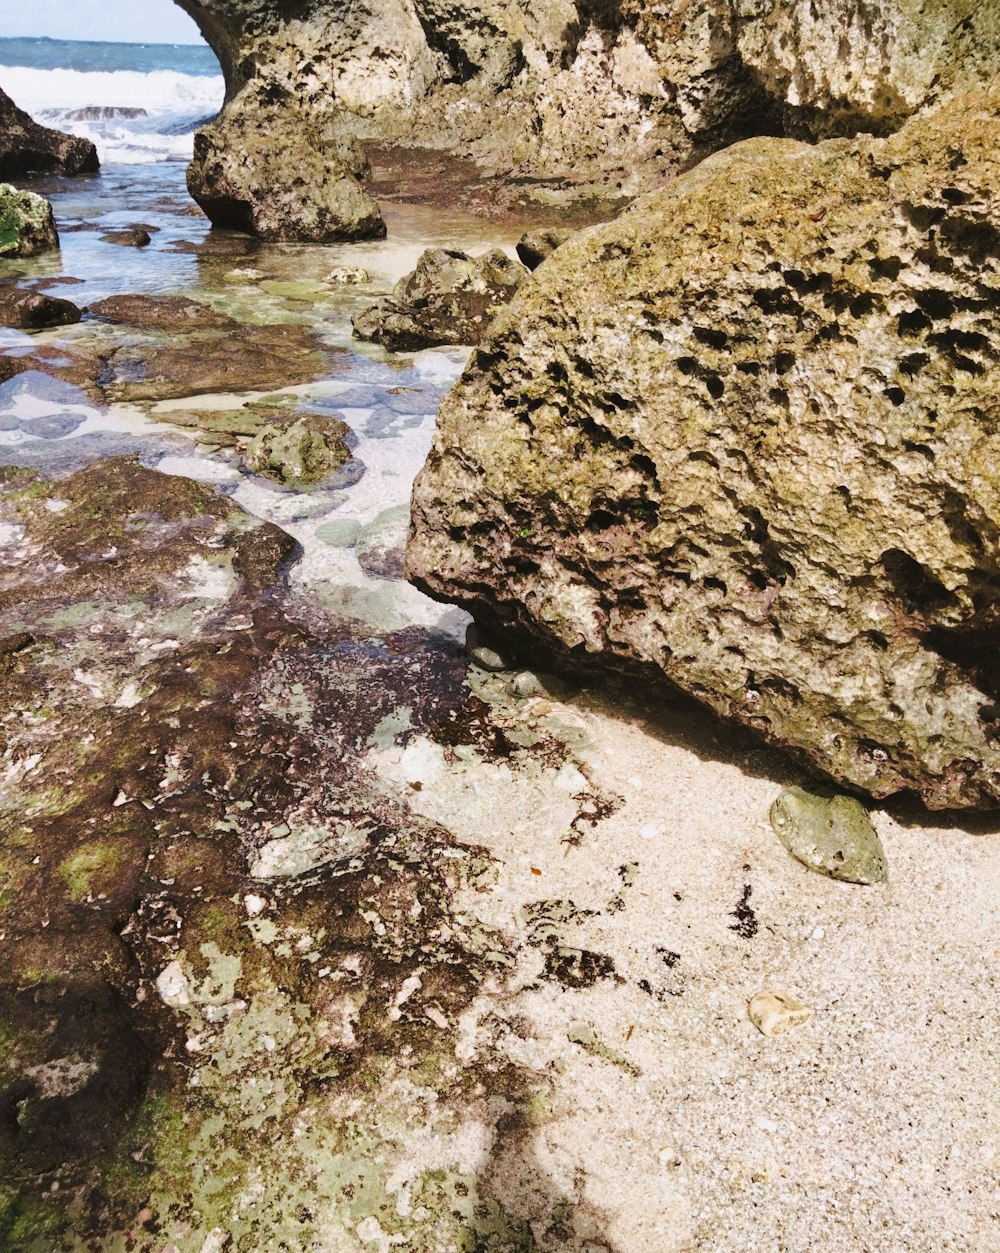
[[190, 1045]]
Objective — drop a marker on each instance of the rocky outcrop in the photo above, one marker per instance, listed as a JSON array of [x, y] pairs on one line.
[[745, 437], [300, 449], [27, 148], [605, 97], [27, 223], [448, 299]]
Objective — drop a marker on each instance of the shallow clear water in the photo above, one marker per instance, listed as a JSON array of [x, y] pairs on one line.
[[389, 400]]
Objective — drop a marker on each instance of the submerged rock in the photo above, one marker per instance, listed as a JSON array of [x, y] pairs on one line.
[[448, 299], [381, 545], [831, 834], [27, 223], [745, 437], [299, 449], [162, 313], [27, 148]]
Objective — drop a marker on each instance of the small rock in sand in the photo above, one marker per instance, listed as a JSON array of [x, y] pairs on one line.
[[830, 834], [774, 1013]]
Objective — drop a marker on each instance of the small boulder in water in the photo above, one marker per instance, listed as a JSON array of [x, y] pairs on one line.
[[134, 237], [347, 276], [449, 298], [33, 311], [27, 223]]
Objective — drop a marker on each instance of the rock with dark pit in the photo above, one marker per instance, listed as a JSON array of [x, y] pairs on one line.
[[534, 246], [449, 298], [745, 438]]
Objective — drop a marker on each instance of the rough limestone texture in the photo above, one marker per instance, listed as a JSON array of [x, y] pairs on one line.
[[27, 223], [27, 148], [596, 97], [448, 299], [250, 174], [745, 437]]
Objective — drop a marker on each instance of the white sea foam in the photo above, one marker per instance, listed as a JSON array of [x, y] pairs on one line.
[[174, 105]]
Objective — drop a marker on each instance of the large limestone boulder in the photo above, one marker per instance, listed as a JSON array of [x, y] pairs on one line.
[[269, 174], [588, 98], [746, 437], [27, 148]]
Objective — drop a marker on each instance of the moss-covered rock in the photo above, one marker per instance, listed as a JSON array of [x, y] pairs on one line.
[[302, 449], [744, 437], [27, 223]]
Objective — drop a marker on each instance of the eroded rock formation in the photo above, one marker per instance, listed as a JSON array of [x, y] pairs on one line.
[[27, 148], [604, 97], [746, 436]]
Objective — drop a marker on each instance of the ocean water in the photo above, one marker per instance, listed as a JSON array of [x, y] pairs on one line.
[[138, 103]]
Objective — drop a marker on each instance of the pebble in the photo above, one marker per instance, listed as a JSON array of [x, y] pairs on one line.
[[774, 1013], [830, 834]]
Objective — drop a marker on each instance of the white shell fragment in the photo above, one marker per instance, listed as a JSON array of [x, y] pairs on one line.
[[774, 1013]]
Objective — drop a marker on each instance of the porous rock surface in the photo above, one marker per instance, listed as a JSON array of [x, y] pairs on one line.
[[27, 148], [601, 97], [745, 436]]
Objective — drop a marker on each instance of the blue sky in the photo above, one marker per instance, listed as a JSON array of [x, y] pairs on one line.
[[131, 21]]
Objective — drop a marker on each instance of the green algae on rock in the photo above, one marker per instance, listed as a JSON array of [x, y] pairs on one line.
[[744, 437], [27, 223], [831, 834], [302, 449]]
